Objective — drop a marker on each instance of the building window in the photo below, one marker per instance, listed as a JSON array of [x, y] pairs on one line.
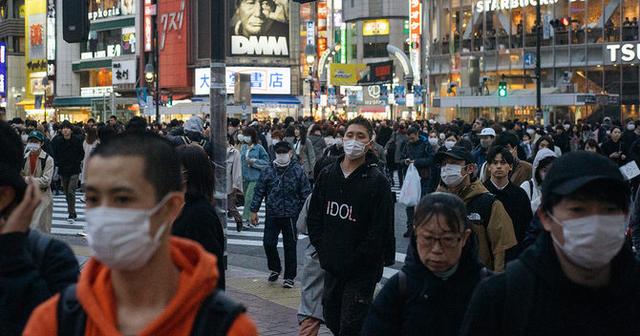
[[376, 46]]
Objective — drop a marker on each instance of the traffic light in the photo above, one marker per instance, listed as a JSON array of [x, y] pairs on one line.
[[502, 89]]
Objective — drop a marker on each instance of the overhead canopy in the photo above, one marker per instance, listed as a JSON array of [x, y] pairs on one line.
[[274, 101]]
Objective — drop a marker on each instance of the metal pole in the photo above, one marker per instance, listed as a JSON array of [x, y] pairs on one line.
[[538, 62], [156, 65], [217, 102]]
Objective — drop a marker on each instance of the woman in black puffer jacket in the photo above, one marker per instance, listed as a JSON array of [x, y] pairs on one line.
[[431, 293]]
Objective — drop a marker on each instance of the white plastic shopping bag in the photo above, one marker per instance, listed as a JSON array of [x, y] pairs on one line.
[[411, 189]]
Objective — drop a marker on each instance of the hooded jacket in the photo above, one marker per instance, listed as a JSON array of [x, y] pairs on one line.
[[67, 154], [498, 236], [531, 187], [198, 278], [285, 190], [349, 219], [557, 306], [428, 302]]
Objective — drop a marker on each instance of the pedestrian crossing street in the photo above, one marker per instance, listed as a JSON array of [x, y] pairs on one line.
[[251, 237]]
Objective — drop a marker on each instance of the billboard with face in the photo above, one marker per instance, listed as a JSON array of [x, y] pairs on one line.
[[259, 28]]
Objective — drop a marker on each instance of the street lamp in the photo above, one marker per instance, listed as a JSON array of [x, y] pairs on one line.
[[149, 73], [310, 51]]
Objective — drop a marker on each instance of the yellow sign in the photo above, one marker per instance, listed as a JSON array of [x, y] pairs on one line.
[[375, 27], [36, 45], [346, 74]]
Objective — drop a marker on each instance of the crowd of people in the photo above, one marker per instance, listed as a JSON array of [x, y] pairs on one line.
[[521, 228]]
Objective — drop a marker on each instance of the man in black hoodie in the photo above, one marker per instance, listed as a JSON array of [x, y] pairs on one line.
[[580, 277], [33, 266], [350, 225]]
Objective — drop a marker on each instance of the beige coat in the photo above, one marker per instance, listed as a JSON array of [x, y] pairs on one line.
[[43, 215], [497, 237]]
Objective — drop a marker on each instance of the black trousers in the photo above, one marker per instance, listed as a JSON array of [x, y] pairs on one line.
[[346, 302], [272, 229]]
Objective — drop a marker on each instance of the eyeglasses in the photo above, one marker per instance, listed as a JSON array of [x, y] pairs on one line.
[[445, 241]]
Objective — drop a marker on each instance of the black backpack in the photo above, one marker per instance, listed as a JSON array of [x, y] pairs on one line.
[[215, 317]]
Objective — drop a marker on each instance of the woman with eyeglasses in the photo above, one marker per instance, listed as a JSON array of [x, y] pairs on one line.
[[431, 292]]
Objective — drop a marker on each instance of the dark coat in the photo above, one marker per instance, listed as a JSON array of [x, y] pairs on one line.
[[195, 139], [285, 190], [67, 154], [430, 305], [610, 147], [29, 276], [349, 219], [563, 142], [199, 222], [556, 305], [518, 207]]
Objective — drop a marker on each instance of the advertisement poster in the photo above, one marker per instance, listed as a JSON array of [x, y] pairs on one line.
[[346, 74], [3, 69], [259, 28], [35, 46], [377, 73]]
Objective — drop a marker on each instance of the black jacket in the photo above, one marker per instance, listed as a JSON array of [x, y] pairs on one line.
[[350, 219], [518, 206], [429, 305], [200, 223], [563, 142], [31, 273], [384, 134], [610, 147], [67, 154], [552, 304]]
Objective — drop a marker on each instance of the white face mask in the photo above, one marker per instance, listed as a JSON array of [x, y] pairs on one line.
[[566, 127], [282, 160], [451, 175], [24, 137], [246, 139], [338, 142], [32, 147], [354, 149], [441, 136], [240, 138], [449, 144], [592, 242], [631, 127], [531, 131], [433, 141], [120, 238]]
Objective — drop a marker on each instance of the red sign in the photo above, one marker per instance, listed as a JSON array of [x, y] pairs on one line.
[[173, 38], [149, 12], [415, 19], [36, 32]]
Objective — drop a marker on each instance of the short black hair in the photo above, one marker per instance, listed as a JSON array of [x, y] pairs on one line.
[[137, 124], [11, 159], [161, 168], [507, 138], [506, 154], [447, 205], [359, 120]]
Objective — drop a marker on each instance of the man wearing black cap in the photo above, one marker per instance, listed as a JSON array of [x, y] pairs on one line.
[[33, 267], [580, 277], [420, 154], [39, 166], [489, 220], [285, 187], [68, 154]]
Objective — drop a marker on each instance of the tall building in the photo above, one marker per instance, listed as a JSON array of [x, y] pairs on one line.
[[589, 55], [12, 85], [97, 78]]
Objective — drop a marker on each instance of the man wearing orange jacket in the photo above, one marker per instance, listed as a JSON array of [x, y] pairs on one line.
[[140, 281]]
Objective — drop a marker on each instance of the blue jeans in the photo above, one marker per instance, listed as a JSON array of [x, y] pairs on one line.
[[272, 229]]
